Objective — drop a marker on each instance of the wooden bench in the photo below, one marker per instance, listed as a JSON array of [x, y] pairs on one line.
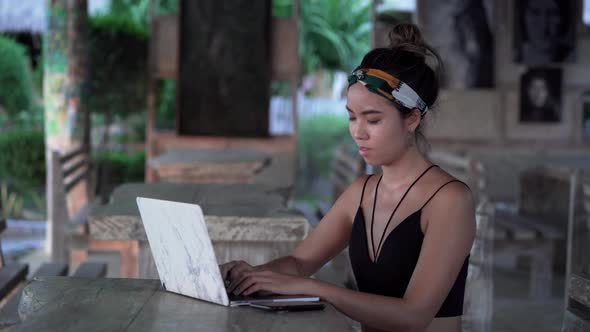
[[71, 180]]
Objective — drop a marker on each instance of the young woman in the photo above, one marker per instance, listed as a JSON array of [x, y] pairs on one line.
[[409, 229]]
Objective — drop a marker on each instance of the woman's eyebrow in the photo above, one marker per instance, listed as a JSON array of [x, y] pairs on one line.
[[366, 112]]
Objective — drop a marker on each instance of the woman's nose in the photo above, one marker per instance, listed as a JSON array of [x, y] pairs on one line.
[[359, 131]]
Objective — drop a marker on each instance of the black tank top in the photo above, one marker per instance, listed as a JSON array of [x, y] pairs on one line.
[[394, 263]]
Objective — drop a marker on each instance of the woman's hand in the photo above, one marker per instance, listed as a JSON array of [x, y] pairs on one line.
[[277, 283], [233, 273]]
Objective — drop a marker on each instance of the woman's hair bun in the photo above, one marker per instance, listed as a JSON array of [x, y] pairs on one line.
[[407, 37]]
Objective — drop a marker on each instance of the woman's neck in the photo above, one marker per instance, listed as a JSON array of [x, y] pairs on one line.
[[402, 172]]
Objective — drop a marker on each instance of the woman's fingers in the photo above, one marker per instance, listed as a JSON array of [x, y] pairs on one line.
[[225, 269], [249, 281], [232, 269], [237, 275], [237, 281], [259, 286]]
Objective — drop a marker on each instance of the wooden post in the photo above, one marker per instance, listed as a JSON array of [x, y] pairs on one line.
[[57, 214]]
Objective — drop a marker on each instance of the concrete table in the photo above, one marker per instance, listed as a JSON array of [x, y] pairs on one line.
[[245, 221], [75, 304], [210, 165]]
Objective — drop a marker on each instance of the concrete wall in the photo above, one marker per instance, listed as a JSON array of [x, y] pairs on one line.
[[490, 116]]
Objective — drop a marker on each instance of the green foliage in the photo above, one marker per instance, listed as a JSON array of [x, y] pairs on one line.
[[11, 204], [116, 22], [136, 11], [32, 119], [118, 58], [118, 66], [318, 138], [16, 89], [282, 8], [166, 105], [166, 7], [280, 88], [334, 33], [22, 203], [122, 167], [23, 161]]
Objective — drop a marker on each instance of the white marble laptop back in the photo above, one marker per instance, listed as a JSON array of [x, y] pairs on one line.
[[182, 250]]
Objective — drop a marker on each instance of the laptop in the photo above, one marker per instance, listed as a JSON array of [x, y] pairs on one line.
[[184, 255]]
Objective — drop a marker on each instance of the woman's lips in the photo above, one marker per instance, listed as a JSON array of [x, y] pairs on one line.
[[363, 151]]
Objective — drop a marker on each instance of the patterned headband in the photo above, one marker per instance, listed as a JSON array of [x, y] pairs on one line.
[[388, 86]]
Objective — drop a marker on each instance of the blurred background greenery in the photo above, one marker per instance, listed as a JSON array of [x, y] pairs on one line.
[[334, 34]]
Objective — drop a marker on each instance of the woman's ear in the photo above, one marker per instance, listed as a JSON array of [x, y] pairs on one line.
[[413, 121]]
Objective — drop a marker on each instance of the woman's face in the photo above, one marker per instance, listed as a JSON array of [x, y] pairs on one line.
[[543, 24], [538, 92], [376, 126]]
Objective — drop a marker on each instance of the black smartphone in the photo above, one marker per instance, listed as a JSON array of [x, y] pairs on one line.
[[289, 306]]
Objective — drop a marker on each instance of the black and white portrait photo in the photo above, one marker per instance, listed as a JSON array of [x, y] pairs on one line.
[[540, 95], [462, 32], [544, 31]]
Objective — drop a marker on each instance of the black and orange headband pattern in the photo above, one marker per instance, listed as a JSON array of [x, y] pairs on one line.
[[388, 86]]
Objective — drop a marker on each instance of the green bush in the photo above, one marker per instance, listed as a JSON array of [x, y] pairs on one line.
[[282, 8], [118, 66], [16, 88], [115, 168], [22, 160], [122, 167], [166, 107], [318, 136], [117, 23]]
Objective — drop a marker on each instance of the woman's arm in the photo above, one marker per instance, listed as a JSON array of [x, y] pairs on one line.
[[328, 239], [447, 241]]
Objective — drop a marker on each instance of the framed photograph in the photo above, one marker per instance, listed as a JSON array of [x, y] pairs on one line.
[[544, 31], [540, 96], [462, 31]]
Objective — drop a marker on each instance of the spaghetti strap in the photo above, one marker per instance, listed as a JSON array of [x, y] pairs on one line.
[[436, 192], [375, 253], [364, 186]]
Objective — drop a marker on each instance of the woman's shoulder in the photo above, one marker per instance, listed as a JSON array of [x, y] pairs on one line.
[[351, 197], [451, 206], [448, 189]]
